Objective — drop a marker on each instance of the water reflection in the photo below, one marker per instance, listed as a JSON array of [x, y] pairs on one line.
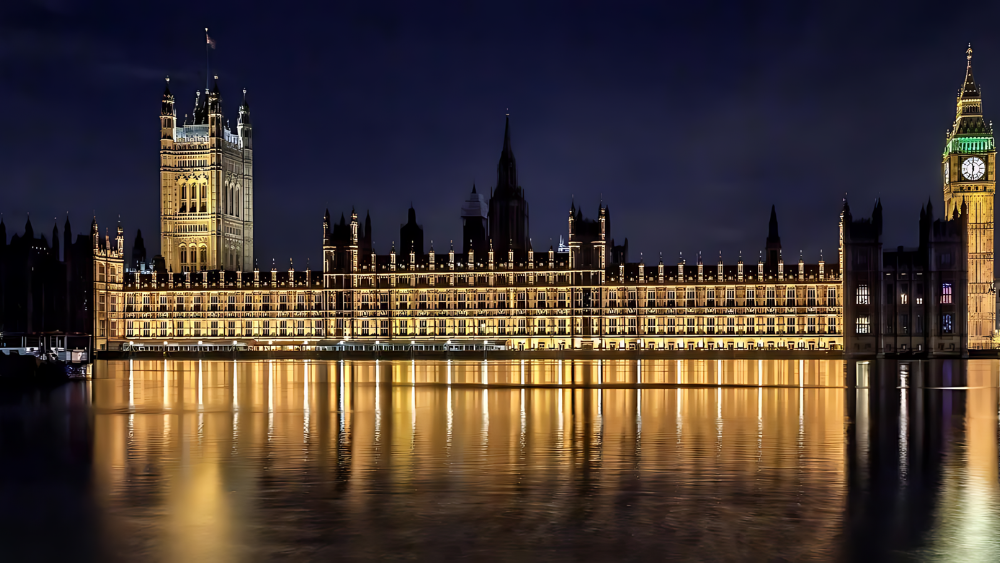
[[922, 460], [767, 459], [176, 375]]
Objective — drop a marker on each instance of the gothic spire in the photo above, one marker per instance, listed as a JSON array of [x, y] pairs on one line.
[[969, 112], [772, 226], [969, 89], [507, 167], [773, 243]]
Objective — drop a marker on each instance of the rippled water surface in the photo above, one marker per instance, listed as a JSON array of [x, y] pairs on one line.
[[505, 460]]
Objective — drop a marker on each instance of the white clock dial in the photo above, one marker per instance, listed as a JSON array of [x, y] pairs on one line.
[[973, 168], [946, 167]]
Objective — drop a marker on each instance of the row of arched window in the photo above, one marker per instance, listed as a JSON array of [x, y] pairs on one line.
[[194, 258], [194, 198]]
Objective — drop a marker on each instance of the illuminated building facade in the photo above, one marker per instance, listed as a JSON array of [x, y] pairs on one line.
[[570, 300], [206, 186], [543, 300], [969, 171], [586, 297], [109, 293]]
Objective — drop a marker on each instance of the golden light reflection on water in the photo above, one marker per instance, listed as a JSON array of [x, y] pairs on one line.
[[201, 439], [214, 460]]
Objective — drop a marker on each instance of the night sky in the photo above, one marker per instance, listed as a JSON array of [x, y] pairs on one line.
[[691, 119]]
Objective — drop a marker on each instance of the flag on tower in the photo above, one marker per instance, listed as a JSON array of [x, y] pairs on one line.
[[209, 40]]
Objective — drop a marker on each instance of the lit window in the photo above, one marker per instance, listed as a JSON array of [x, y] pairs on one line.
[[863, 325], [946, 293], [861, 296]]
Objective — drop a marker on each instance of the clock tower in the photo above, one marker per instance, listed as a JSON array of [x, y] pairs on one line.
[[969, 172]]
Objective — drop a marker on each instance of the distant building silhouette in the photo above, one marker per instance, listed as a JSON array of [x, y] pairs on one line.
[[411, 235], [39, 292], [475, 223]]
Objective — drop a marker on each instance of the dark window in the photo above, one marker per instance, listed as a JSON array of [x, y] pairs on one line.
[[946, 324]]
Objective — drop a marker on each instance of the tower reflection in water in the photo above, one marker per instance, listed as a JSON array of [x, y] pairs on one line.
[[922, 459], [223, 459]]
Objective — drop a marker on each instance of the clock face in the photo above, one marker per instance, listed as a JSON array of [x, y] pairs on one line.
[[947, 166], [973, 168]]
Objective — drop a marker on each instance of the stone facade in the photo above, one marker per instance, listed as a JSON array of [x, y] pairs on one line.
[[206, 186], [969, 174]]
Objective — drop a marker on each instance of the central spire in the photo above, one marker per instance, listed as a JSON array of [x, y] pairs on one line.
[[507, 167]]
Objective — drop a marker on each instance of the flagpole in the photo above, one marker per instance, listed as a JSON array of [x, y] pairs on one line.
[[207, 73]]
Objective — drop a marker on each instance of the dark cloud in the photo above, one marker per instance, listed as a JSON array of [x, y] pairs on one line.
[[689, 121]]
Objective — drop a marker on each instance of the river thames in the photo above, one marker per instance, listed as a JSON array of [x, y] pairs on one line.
[[188, 461]]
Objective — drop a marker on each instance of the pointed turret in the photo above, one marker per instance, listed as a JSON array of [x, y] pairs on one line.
[[29, 231], [55, 238], [138, 251], [507, 167], [244, 119], [3, 232], [773, 244], [168, 113], [167, 105], [200, 114]]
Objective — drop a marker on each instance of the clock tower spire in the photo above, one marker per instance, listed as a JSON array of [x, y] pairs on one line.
[[969, 170]]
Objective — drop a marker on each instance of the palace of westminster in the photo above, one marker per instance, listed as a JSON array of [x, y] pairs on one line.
[[935, 298]]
